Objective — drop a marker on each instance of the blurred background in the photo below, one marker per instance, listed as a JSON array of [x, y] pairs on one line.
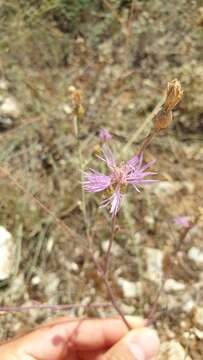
[[120, 54]]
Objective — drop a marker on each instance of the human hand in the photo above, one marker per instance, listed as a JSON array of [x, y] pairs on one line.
[[84, 339]]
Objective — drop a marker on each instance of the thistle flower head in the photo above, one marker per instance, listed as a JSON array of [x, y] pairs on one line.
[[104, 135], [133, 172], [182, 221]]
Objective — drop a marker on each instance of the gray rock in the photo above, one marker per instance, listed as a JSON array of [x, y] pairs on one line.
[[3, 84], [128, 309], [6, 122], [51, 284], [189, 306], [116, 250], [130, 289], [165, 188], [172, 350], [9, 107], [196, 255], [172, 285], [154, 260], [67, 109]]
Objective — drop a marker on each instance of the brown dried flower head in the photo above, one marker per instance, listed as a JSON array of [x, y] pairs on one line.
[[77, 100], [173, 96], [162, 120], [164, 117]]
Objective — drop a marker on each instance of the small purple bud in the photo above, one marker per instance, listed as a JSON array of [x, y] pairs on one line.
[[104, 135]]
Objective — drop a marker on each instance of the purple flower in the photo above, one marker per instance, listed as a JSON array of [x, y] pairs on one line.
[[183, 221], [133, 172], [104, 135]]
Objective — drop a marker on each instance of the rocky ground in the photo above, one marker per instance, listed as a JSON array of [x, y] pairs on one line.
[[122, 72]]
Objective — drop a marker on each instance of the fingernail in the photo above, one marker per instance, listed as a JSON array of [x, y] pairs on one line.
[[144, 345]]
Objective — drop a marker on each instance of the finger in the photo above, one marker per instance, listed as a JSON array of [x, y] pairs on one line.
[[84, 334], [142, 344]]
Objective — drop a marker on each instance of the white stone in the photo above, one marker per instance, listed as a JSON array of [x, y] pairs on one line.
[[172, 285], [73, 267], [3, 84], [189, 306], [149, 220], [7, 253], [163, 188], [198, 333], [10, 107], [50, 244], [36, 280], [128, 309], [130, 289], [67, 109], [166, 188], [154, 264], [51, 284], [172, 350], [196, 255], [92, 100], [115, 249], [71, 88]]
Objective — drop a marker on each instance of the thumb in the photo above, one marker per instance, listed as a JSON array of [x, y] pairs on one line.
[[142, 344]]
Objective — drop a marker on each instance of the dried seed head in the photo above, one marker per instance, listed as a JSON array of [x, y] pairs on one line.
[[173, 96], [164, 117], [77, 100], [162, 120], [76, 97]]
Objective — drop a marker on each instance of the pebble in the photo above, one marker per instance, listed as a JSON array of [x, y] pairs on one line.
[[128, 309], [154, 262], [165, 188], [6, 122], [3, 84], [196, 255], [189, 306], [67, 109], [130, 289], [7, 253], [116, 250], [36, 280], [52, 283], [10, 107], [172, 285], [150, 221], [172, 350], [198, 333]]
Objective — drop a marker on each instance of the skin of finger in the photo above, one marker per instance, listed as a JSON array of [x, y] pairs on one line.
[[83, 334], [122, 349]]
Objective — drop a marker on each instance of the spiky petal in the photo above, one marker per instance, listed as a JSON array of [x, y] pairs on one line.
[[131, 173]]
